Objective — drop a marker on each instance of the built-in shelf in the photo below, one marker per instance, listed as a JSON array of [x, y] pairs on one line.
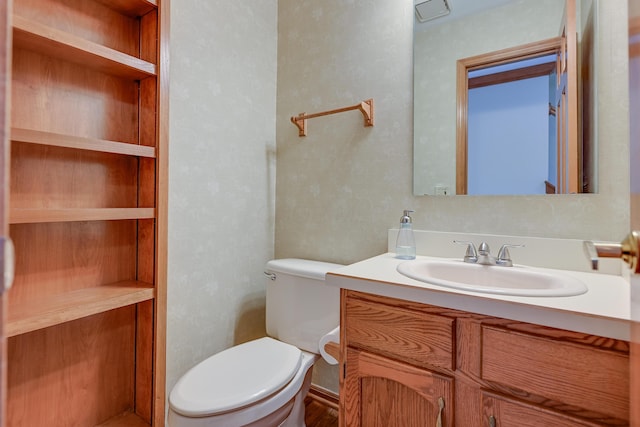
[[87, 212], [131, 7], [32, 216], [69, 141], [49, 41], [49, 310]]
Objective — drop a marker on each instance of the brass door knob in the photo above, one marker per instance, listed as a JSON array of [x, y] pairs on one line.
[[627, 250]]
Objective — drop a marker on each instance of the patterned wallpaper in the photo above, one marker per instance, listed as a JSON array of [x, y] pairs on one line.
[[222, 175]]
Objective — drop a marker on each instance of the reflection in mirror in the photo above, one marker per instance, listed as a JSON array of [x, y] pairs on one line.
[[507, 139], [442, 163]]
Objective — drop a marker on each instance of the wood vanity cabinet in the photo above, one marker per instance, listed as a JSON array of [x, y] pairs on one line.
[[85, 316], [387, 381], [411, 364]]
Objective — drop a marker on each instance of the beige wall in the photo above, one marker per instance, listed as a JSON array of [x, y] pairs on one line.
[[222, 173], [339, 189]]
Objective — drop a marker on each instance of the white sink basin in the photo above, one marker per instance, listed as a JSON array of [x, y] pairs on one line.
[[516, 280]]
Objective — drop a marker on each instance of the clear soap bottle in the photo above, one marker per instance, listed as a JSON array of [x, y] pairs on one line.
[[406, 242]]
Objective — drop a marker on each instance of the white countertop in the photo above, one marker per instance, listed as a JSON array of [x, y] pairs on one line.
[[603, 310]]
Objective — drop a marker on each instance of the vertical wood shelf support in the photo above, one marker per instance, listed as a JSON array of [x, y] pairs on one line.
[[365, 107]]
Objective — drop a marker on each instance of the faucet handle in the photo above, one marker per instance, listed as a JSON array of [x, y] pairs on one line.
[[504, 257], [471, 255], [483, 249]]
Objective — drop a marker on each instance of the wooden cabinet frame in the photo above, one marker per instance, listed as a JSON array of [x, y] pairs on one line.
[[517, 373]]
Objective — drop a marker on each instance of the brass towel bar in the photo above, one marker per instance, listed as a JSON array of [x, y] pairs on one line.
[[365, 107]]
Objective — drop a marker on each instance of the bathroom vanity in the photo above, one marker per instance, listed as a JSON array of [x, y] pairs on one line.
[[415, 354]]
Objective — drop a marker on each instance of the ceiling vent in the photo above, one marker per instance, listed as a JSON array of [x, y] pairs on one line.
[[431, 9]]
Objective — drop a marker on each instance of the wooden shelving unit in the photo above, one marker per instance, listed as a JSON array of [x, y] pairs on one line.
[[87, 213]]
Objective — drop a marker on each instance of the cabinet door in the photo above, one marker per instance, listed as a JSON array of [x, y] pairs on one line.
[[379, 392], [503, 412]]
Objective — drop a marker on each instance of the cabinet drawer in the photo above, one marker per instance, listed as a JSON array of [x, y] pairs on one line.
[[512, 413], [415, 337], [578, 375]]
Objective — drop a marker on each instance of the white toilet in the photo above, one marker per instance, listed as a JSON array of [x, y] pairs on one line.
[[263, 383]]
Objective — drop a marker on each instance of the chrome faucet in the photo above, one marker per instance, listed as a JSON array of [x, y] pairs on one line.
[[483, 255]]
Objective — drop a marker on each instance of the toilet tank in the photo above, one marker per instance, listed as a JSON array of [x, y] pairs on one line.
[[301, 307]]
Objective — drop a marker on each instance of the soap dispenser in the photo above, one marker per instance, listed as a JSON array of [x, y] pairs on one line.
[[406, 242]]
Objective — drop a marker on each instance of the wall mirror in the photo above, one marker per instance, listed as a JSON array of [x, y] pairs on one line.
[[496, 108]]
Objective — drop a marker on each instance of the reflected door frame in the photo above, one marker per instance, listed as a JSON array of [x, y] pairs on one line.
[[464, 66], [565, 47]]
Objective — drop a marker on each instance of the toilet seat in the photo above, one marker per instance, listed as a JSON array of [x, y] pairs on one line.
[[240, 375]]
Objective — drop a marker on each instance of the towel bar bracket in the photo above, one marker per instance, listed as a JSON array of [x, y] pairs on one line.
[[365, 107]]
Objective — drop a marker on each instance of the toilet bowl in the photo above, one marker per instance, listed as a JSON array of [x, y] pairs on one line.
[[263, 383], [245, 385]]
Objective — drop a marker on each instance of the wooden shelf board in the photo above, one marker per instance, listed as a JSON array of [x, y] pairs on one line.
[[53, 42], [32, 216], [131, 7], [127, 419], [52, 310], [68, 141]]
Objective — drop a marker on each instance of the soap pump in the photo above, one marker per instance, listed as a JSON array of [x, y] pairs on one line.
[[406, 242]]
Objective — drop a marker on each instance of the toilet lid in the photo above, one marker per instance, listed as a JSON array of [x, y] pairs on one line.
[[235, 377]]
